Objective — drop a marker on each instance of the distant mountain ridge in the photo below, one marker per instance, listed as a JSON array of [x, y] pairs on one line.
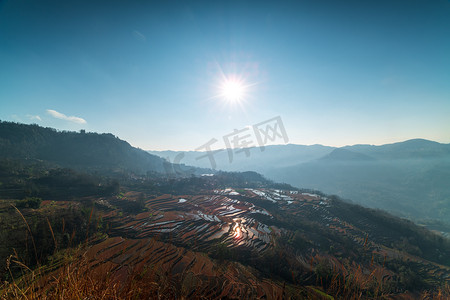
[[258, 160], [414, 148], [341, 154], [280, 156]]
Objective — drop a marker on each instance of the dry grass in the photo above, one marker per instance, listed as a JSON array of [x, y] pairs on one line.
[[76, 280], [373, 283]]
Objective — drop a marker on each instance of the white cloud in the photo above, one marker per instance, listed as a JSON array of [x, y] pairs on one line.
[[61, 116], [31, 117]]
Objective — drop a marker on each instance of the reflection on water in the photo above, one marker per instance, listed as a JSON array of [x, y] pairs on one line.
[[237, 232]]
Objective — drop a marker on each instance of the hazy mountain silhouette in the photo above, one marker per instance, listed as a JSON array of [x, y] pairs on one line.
[[258, 160], [415, 148], [341, 154]]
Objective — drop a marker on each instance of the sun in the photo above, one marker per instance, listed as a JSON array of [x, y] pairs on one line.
[[233, 90]]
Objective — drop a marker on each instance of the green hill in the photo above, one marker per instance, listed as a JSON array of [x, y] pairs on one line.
[[78, 150]]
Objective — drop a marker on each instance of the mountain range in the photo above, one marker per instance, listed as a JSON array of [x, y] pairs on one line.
[[408, 178]]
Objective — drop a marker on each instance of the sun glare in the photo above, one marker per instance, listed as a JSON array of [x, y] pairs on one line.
[[233, 90]]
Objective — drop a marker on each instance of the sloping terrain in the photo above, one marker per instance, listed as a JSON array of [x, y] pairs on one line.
[[407, 178]]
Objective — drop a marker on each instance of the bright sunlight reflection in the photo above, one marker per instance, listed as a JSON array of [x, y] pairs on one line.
[[237, 232]]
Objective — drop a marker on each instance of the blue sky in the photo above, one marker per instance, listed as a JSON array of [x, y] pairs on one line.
[[336, 72]]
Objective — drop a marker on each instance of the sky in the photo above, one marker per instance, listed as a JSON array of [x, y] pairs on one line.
[[152, 72]]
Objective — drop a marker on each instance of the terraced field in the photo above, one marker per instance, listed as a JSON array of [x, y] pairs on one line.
[[199, 220], [232, 217]]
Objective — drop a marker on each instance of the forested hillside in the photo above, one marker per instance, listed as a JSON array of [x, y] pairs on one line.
[[79, 150]]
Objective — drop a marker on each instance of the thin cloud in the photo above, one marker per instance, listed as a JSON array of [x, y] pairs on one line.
[[61, 116], [31, 117], [16, 118], [139, 36]]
